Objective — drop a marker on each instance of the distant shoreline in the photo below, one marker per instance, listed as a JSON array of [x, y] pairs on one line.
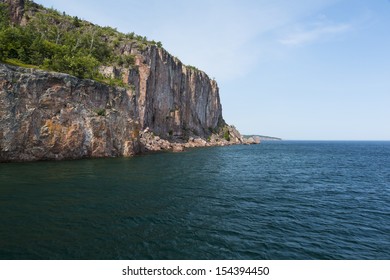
[[264, 138]]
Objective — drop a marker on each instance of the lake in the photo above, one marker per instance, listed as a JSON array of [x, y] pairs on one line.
[[277, 200]]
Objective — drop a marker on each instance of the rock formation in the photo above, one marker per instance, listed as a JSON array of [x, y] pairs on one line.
[[172, 99], [57, 116], [16, 8], [164, 105]]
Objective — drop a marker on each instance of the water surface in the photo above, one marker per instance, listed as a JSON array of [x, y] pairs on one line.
[[277, 200]]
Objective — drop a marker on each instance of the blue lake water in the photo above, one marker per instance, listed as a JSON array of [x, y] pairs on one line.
[[277, 200]]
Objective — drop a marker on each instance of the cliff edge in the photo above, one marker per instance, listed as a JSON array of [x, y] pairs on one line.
[[160, 104]]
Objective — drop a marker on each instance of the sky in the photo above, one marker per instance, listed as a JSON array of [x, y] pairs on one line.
[[299, 70]]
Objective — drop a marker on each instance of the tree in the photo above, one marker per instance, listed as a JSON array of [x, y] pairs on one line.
[[82, 66], [4, 16], [10, 42], [76, 22], [54, 41]]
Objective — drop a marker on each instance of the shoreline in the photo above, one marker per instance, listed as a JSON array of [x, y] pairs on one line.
[[151, 144]]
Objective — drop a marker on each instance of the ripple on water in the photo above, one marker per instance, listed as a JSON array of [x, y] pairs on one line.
[[282, 200]]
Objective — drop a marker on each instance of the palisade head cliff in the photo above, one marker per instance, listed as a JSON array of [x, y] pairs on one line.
[[152, 102]]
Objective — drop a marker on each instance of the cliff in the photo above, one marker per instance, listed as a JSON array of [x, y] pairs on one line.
[[161, 105], [57, 116], [172, 99]]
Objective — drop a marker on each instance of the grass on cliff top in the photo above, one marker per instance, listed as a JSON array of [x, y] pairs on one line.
[[16, 62]]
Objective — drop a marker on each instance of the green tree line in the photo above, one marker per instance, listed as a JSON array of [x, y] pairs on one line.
[[58, 42]]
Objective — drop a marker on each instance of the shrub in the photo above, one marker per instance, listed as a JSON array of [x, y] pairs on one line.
[[226, 135], [55, 41], [101, 112]]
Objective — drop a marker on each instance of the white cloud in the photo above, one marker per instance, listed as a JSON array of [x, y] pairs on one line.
[[227, 38], [319, 32]]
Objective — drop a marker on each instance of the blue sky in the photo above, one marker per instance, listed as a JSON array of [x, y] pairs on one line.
[[302, 69]]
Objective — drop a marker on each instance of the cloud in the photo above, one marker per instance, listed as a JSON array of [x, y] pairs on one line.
[[319, 32], [224, 38]]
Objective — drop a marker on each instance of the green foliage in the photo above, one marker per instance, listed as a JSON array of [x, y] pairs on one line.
[[49, 46], [192, 67], [142, 46], [55, 41], [109, 31], [126, 60], [101, 112], [76, 22], [80, 65], [112, 81], [130, 35], [115, 82], [4, 16], [226, 135], [16, 62], [28, 4]]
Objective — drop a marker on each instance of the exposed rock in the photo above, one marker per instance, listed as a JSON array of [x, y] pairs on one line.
[[46, 115], [257, 139], [252, 140], [163, 106], [172, 99], [56, 116], [16, 8], [177, 148], [235, 135]]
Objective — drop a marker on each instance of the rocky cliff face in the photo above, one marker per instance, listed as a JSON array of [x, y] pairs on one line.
[[172, 100], [46, 115], [164, 105], [57, 116], [16, 8]]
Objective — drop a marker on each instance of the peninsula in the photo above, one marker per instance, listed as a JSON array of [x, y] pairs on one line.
[[70, 89]]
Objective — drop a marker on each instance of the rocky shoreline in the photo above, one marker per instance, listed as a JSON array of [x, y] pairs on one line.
[[54, 116], [145, 100], [153, 143]]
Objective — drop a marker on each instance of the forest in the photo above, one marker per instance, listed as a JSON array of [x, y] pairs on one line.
[[51, 40]]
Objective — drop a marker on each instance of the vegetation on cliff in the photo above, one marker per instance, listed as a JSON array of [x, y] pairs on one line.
[[51, 40], [162, 105]]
